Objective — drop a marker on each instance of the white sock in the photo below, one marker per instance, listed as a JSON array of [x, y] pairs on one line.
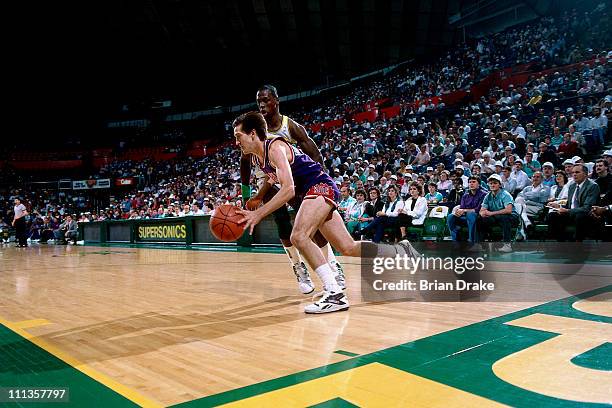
[[331, 258], [328, 277], [294, 255]]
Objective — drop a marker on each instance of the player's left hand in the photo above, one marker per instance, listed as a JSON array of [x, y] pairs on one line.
[[253, 204], [250, 218]]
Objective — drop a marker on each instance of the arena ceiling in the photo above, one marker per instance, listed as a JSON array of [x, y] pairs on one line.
[[91, 58], [216, 52]]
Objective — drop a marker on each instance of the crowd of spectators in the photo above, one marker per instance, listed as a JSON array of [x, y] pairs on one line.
[[505, 159]]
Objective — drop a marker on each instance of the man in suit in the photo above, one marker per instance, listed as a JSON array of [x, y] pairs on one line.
[[67, 230], [582, 195]]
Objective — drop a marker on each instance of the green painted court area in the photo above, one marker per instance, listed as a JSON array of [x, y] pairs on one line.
[[24, 364], [460, 358]]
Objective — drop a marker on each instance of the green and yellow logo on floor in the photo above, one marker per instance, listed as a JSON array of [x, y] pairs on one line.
[[557, 354]]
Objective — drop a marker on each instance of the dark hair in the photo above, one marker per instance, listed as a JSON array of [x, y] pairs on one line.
[[475, 178], [252, 121], [392, 187], [360, 191], [561, 172], [507, 168], [417, 186], [269, 88], [432, 183], [601, 161], [374, 189]]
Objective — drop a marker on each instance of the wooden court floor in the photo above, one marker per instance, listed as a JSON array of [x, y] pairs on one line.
[[160, 327]]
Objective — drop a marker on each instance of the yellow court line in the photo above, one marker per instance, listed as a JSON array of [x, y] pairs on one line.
[[26, 324], [372, 385], [120, 389]]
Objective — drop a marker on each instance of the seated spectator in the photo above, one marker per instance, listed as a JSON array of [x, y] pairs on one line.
[[359, 214], [548, 177], [557, 138], [546, 154], [604, 181], [467, 211], [433, 196], [533, 198], [568, 148], [476, 171], [455, 195], [422, 159], [607, 156], [346, 201], [387, 217], [5, 234], [558, 191], [67, 230], [582, 195], [459, 172], [375, 201], [46, 230], [195, 209], [499, 167], [531, 166], [487, 163], [497, 209], [405, 190], [414, 210], [445, 184], [508, 183], [519, 176], [599, 125]]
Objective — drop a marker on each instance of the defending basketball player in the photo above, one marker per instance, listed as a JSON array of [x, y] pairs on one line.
[[304, 180], [295, 134]]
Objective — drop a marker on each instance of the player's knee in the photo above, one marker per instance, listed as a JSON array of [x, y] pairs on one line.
[[298, 238]]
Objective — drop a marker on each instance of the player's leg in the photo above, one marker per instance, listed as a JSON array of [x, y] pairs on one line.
[[284, 228], [329, 255], [311, 215], [337, 235]]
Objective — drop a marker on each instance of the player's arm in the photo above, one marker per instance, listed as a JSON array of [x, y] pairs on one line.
[[278, 158], [245, 176], [305, 142]]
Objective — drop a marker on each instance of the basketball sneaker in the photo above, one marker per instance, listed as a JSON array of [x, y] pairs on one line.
[[410, 251], [303, 277], [340, 276], [330, 302]]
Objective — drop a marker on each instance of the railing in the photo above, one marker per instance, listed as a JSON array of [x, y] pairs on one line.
[[185, 231]]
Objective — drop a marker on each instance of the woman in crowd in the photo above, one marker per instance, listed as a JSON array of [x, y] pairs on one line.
[[444, 184], [559, 191], [414, 209], [387, 217], [357, 214]]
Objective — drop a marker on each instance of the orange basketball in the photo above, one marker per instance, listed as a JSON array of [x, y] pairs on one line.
[[224, 223]]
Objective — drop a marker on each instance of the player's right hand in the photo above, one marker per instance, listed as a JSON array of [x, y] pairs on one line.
[[253, 204]]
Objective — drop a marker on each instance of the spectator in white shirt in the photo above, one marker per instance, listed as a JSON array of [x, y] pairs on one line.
[[517, 130], [521, 178], [387, 217], [508, 183]]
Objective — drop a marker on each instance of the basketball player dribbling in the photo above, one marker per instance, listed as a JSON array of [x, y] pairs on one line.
[[295, 134], [303, 179]]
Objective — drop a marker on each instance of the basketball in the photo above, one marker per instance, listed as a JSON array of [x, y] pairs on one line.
[[224, 223]]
